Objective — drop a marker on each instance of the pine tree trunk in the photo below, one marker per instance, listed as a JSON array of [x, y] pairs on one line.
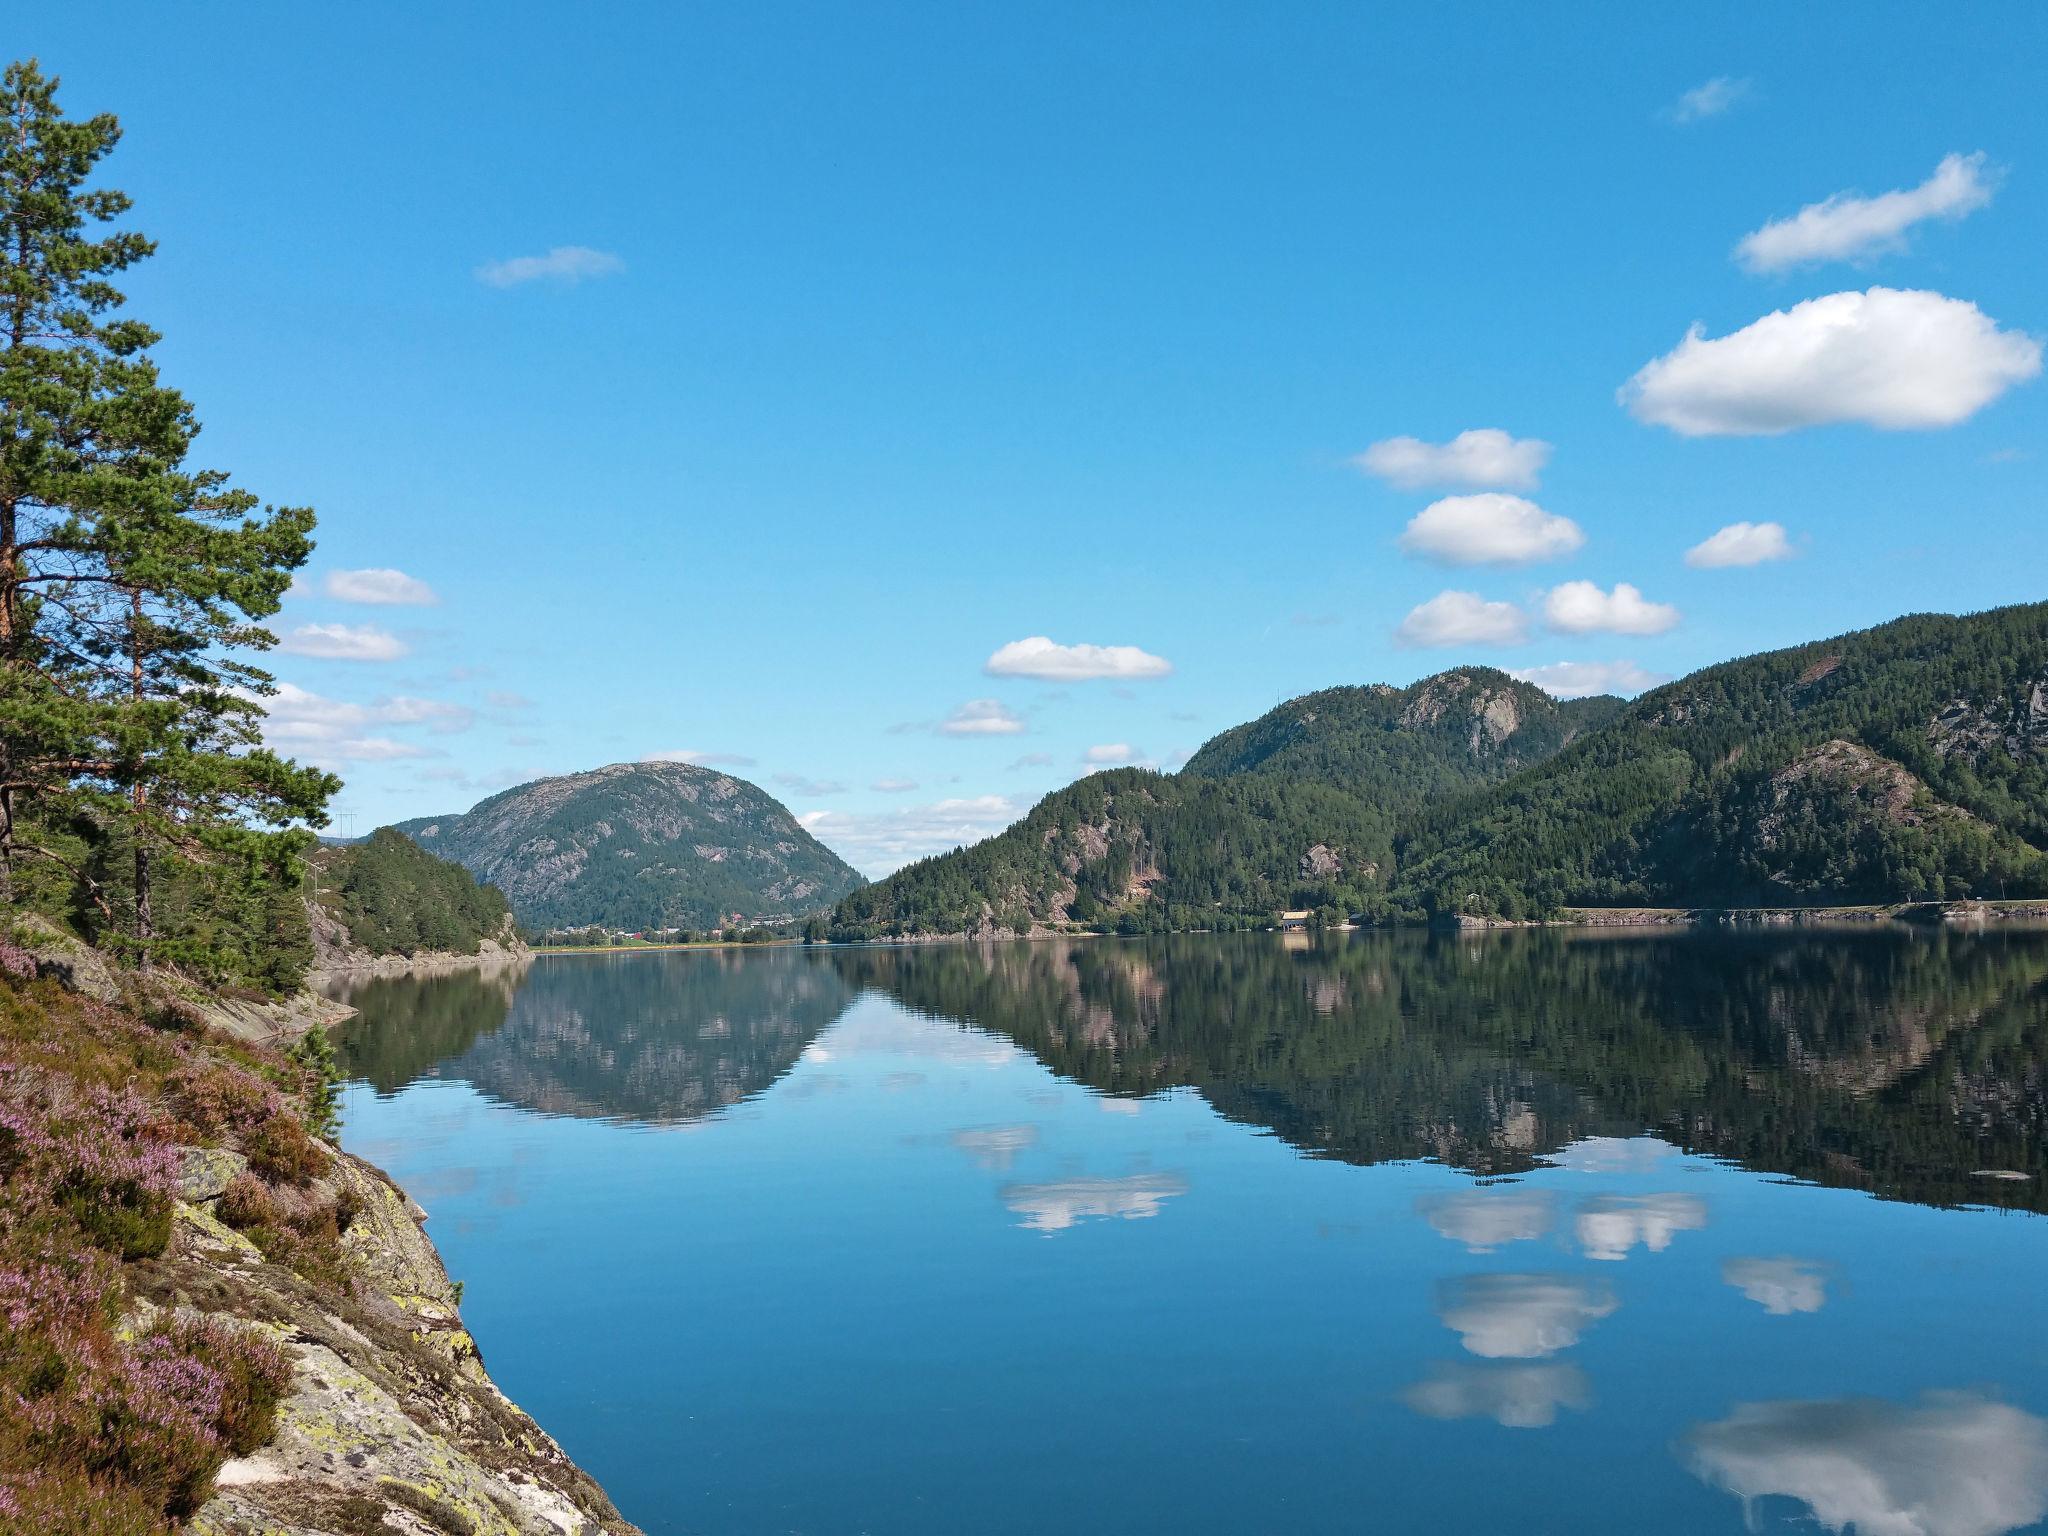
[[145, 927]]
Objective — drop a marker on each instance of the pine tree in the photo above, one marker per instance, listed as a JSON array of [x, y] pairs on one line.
[[132, 586]]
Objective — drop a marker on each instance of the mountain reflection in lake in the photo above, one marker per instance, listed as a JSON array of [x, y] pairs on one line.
[[1532, 1230]]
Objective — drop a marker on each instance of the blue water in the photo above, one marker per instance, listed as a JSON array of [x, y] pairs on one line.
[[773, 1244]]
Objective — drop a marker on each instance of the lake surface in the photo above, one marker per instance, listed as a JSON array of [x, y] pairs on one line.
[[1519, 1232]]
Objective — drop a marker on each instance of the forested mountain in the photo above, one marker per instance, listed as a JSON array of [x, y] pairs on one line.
[[641, 845], [1181, 849], [1902, 763], [1402, 747], [392, 897]]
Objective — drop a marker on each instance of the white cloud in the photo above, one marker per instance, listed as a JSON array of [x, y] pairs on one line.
[[1610, 1226], [1581, 608], [1741, 544], [1514, 1396], [380, 587], [699, 759], [982, 717], [1462, 618], [563, 264], [1489, 529], [1483, 458], [995, 1147], [893, 786], [1109, 754], [1057, 1206], [1897, 359], [1952, 1464], [1780, 1286], [1043, 658], [1033, 760], [1583, 679], [1709, 100], [343, 642], [877, 843], [1484, 1221], [332, 732], [1521, 1317], [1846, 227]]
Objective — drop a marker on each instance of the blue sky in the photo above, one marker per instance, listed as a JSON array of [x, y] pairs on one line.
[[741, 381]]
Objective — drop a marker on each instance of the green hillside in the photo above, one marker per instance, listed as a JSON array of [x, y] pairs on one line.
[[1402, 747], [1904, 762], [395, 898], [1134, 844]]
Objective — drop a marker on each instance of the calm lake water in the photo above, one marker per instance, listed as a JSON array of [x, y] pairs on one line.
[[1523, 1232]]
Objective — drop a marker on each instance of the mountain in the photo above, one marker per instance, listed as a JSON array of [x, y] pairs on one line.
[[641, 845], [1401, 747], [1901, 763]]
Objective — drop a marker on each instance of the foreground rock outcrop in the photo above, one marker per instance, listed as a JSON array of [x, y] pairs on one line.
[[390, 1421]]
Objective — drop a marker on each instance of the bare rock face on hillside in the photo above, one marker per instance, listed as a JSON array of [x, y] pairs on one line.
[[2016, 726], [641, 845]]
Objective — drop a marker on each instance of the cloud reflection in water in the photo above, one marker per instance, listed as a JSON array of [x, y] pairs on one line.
[[1952, 1464]]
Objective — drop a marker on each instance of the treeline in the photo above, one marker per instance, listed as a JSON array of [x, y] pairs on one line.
[[395, 898], [137, 804]]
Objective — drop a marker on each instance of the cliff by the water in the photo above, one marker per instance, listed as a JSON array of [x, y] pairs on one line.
[[214, 1319]]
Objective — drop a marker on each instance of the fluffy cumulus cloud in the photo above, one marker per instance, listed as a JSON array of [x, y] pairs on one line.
[[1515, 1396], [1950, 1464], [1740, 544], [982, 717], [1583, 679], [1057, 1206], [563, 264], [343, 642], [1462, 618], [1489, 528], [1481, 459], [877, 843], [1521, 1317], [1897, 359], [1846, 227], [1582, 608], [1044, 658], [1484, 1220], [379, 587], [1708, 99], [1111, 754], [1780, 1286], [1610, 1227]]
